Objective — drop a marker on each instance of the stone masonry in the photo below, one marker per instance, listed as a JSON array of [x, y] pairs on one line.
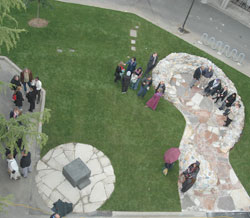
[[52, 185], [205, 138]]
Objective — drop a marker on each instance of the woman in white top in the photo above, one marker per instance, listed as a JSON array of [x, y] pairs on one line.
[[13, 168]]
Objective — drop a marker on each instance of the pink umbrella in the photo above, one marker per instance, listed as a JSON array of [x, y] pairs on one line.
[[171, 155]]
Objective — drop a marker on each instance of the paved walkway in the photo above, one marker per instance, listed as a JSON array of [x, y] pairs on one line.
[[205, 138], [24, 191], [52, 185], [169, 15]]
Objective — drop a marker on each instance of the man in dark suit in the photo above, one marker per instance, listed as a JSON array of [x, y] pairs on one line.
[[151, 63], [197, 75], [212, 87], [31, 96]]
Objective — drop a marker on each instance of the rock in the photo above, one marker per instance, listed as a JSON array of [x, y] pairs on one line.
[[226, 203], [233, 177], [241, 199], [98, 193]]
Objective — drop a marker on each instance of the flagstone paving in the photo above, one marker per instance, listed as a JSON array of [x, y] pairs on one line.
[[205, 139], [52, 185]]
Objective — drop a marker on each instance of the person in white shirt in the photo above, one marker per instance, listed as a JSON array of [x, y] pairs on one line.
[[38, 89], [13, 167]]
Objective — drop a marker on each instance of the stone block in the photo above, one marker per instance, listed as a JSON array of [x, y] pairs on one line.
[[77, 173], [133, 33]]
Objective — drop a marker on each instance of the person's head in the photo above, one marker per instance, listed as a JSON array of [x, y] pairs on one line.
[[149, 77], [128, 73], [24, 152], [16, 110], [37, 78], [225, 88], [121, 64], [10, 156], [133, 59], [161, 82], [139, 69], [19, 88], [16, 77], [31, 89], [56, 215], [210, 68], [218, 80], [26, 70], [237, 104], [234, 94], [155, 54], [202, 67]]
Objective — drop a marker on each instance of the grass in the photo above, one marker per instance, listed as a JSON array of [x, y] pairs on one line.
[[88, 107]]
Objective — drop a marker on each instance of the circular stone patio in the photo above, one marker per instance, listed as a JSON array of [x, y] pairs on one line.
[[52, 185]]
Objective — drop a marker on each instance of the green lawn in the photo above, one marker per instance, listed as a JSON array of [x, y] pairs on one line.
[[88, 107]]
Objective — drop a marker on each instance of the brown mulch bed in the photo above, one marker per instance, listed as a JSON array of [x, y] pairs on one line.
[[38, 22]]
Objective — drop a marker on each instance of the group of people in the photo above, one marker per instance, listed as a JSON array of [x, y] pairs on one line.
[[220, 94], [32, 88], [35, 86], [132, 76]]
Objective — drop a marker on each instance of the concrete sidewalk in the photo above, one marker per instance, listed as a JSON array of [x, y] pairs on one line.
[[24, 191], [170, 14]]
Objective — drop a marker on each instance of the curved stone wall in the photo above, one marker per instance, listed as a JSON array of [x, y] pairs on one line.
[[205, 138]]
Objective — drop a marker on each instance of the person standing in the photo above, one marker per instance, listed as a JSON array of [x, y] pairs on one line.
[[231, 113], [131, 64], [19, 98], [138, 72], [212, 87], [15, 113], [151, 63], [125, 82], [38, 89], [228, 102], [25, 163], [13, 169], [221, 94], [31, 96], [206, 75], [119, 71], [197, 75], [161, 86], [190, 176], [145, 86], [26, 78], [15, 82]]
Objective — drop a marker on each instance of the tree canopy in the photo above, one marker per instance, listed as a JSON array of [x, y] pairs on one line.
[[9, 33]]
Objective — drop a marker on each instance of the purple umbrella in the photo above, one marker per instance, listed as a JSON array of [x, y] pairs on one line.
[[171, 155]]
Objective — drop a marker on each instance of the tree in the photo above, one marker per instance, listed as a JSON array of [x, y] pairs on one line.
[[23, 127], [9, 34]]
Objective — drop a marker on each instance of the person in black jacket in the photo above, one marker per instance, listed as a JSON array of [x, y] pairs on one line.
[[15, 113], [212, 87], [161, 86], [25, 163], [19, 98], [151, 63], [196, 76], [125, 82], [119, 71], [206, 75], [221, 94], [15, 82], [228, 102], [31, 96], [145, 86]]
